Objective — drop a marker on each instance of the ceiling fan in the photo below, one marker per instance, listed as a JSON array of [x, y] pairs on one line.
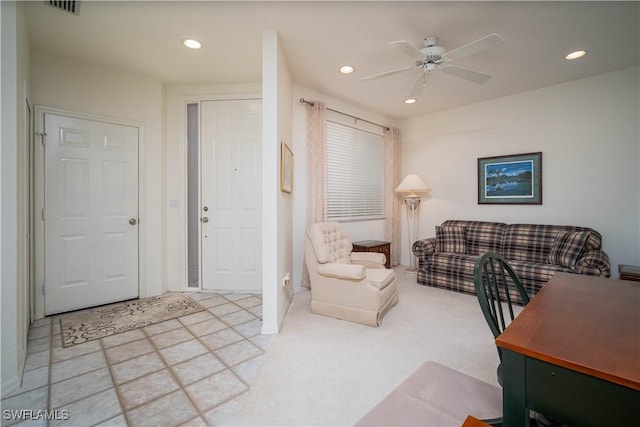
[[432, 57]]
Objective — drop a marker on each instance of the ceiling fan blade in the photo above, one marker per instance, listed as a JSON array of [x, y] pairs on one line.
[[419, 84], [388, 73], [486, 42], [472, 76], [407, 48]]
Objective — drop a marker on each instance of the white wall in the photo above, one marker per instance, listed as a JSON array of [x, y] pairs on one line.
[[78, 86], [357, 230], [8, 214], [23, 181], [14, 180], [285, 200], [277, 206], [587, 131], [174, 172]]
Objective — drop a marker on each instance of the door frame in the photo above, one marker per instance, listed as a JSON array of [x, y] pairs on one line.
[[184, 184], [38, 197]]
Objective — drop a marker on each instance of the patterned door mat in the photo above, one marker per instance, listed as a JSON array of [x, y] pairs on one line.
[[122, 317]]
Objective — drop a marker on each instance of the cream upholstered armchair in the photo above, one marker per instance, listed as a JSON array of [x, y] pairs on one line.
[[347, 285]]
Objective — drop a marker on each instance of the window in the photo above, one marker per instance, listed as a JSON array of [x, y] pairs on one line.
[[355, 173]]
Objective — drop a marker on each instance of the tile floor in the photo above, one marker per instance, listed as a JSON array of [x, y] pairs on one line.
[[190, 371]]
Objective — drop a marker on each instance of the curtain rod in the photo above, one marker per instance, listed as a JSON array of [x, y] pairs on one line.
[[304, 101]]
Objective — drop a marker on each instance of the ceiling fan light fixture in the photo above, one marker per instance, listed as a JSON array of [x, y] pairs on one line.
[[575, 55], [432, 57], [192, 43], [347, 69]]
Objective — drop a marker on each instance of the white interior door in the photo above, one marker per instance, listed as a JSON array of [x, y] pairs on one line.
[[231, 133], [90, 213]]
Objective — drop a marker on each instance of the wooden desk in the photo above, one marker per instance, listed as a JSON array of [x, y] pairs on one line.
[[472, 421], [573, 354]]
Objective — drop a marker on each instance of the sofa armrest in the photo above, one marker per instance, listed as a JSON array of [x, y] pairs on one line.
[[368, 259], [342, 271], [424, 247], [594, 262]]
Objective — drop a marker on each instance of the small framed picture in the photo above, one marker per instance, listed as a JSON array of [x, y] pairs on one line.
[[510, 180], [286, 168]]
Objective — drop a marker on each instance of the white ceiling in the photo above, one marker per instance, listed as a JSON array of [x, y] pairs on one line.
[[318, 37]]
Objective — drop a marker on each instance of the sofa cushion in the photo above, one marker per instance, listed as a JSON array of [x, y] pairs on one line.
[[450, 239], [533, 242], [567, 248], [460, 265], [535, 275], [481, 236]]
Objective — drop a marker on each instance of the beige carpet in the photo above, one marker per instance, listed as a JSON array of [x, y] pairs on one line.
[[103, 321], [323, 371]]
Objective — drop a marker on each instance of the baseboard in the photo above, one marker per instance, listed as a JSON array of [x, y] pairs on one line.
[[270, 330], [285, 312]]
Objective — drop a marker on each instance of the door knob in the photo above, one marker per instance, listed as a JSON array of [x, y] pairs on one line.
[[205, 219], [133, 221]]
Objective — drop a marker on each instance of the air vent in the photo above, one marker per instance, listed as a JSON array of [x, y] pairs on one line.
[[67, 6]]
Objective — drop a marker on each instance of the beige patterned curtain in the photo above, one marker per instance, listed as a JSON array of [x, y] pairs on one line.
[[392, 220], [316, 170]]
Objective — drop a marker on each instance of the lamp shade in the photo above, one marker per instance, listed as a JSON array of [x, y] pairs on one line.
[[413, 184]]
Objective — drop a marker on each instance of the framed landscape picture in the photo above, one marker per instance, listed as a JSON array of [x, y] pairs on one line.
[[510, 180]]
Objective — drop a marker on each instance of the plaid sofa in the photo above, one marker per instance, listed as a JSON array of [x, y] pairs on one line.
[[535, 251]]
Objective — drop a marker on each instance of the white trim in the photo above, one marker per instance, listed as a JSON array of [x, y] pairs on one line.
[[24, 312], [284, 313], [31, 213], [38, 200], [268, 330]]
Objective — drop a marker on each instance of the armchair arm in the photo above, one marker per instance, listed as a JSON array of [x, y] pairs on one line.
[[424, 247], [342, 271], [594, 262], [368, 259]]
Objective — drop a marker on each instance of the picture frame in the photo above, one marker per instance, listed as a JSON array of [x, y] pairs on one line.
[[514, 179], [286, 168]]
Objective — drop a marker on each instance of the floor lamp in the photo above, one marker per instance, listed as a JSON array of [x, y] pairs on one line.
[[412, 184]]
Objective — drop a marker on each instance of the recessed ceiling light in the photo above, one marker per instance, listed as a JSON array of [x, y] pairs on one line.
[[347, 69], [192, 44], [575, 55], [410, 101]]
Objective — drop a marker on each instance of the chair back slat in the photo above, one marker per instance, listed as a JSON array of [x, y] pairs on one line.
[[493, 294], [495, 283], [508, 283]]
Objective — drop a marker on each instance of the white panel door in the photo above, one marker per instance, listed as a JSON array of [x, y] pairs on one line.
[[231, 195], [91, 213]]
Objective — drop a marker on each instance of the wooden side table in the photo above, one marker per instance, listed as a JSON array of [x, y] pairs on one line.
[[629, 272], [374, 246]]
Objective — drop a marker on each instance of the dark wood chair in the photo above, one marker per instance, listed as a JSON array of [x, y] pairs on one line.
[[496, 285]]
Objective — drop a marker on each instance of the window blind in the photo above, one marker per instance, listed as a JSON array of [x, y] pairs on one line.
[[355, 173]]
